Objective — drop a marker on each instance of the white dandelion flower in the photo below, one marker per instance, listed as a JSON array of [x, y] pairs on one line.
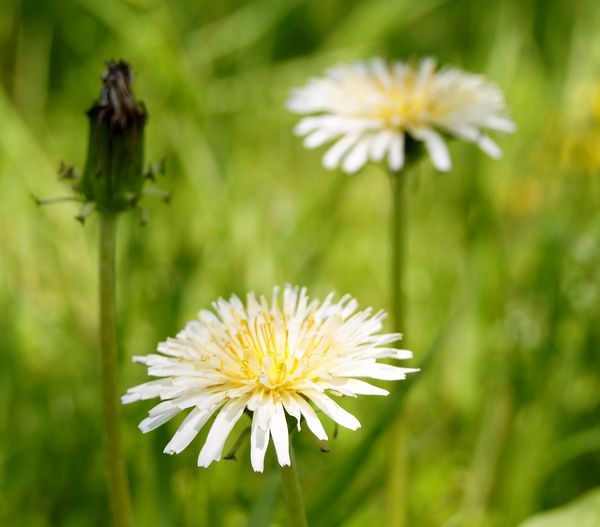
[[369, 110], [271, 359]]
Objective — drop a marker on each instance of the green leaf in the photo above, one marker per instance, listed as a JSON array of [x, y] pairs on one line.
[[582, 512]]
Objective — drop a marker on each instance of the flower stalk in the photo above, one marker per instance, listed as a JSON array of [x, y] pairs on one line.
[[395, 506], [398, 241], [115, 465], [293, 493]]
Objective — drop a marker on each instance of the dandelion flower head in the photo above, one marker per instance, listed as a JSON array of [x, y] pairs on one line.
[[286, 356], [370, 110]]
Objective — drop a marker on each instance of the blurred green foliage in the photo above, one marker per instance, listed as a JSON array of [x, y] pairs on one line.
[[584, 512], [503, 281]]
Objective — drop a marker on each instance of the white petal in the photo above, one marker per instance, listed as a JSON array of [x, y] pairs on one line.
[[306, 100], [220, 430], [333, 410], [312, 421], [392, 353], [360, 68], [290, 299], [357, 157], [352, 387], [438, 151], [141, 359], [489, 147], [381, 71], [380, 144], [384, 372], [199, 400], [189, 429], [470, 133], [334, 123], [161, 408], [334, 155], [400, 69], [152, 422], [462, 130], [426, 69], [501, 124], [259, 441], [319, 137], [291, 407], [396, 152], [148, 390], [130, 398], [279, 431]]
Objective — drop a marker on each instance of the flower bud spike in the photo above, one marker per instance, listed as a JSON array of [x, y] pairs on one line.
[[143, 215], [153, 191], [68, 172], [132, 198], [52, 201], [155, 169], [86, 210]]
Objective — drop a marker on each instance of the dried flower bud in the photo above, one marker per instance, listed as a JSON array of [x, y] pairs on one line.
[[114, 173]]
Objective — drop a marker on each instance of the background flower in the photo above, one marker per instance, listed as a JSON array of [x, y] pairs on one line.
[[270, 358], [371, 109]]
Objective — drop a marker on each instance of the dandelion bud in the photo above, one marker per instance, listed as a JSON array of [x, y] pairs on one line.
[[114, 173]]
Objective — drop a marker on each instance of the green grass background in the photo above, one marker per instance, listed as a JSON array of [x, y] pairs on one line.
[[503, 283]]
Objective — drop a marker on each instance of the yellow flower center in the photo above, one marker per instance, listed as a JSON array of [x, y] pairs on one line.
[[262, 349], [399, 104]]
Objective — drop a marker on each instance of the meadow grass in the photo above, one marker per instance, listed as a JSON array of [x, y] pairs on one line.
[[502, 277]]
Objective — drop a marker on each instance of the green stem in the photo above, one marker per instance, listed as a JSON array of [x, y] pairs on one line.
[[293, 493], [398, 232], [397, 466], [115, 466]]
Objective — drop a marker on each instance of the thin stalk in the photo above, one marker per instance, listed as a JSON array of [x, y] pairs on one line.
[[396, 462], [293, 493], [398, 240], [115, 466]]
